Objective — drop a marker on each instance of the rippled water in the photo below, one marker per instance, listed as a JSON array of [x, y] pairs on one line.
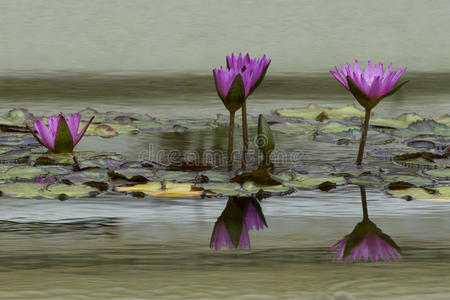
[[120, 247]]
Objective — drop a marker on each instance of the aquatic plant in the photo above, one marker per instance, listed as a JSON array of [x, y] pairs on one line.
[[368, 87], [257, 67], [232, 87], [61, 135]]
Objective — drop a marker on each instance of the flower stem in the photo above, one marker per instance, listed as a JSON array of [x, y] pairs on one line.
[[363, 138], [244, 136], [230, 141], [362, 188]]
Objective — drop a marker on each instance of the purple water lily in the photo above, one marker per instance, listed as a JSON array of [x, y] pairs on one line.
[[256, 69], [372, 84], [61, 134], [366, 243], [368, 87]]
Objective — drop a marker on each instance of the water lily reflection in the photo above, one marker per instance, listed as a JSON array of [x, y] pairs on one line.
[[241, 214], [366, 241]]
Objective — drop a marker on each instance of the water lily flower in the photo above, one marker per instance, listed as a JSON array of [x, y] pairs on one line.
[[61, 134], [233, 87], [240, 215], [366, 241], [257, 68], [368, 87]]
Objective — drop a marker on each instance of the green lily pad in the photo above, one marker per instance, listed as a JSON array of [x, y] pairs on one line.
[[445, 119], [22, 172], [111, 129], [415, 180], [15, 156], [171, 189], [332, 127], [259, 176], [225, 189], [177, 176], [312, 111], [437, 194], [353, 136], [53, 191], [306, 181], [402, 121], [215, 176], [297, 128], [133, 174], [428, 142], [314, 169], [92, 174], [18, 139], [443, 173], [425, 127]]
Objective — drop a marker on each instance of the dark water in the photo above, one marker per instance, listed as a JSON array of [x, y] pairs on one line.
[[119, 247]]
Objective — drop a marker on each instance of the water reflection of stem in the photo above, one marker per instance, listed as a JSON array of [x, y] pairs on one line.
[[364, 202], [363, 138], [244, 135], [230, 141]]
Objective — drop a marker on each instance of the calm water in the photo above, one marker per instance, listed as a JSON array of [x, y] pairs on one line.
[[156, 57], [119, 247]]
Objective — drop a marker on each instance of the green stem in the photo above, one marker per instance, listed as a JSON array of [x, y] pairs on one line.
[[230, 141], [363, 138], [244, 136]]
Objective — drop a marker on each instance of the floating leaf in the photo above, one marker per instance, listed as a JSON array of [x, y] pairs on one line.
[[92, 174], [332, 127], [314, 169], [312, 111], [111, 129], [157, 190], [415, 180], [53, 191], [259, 176], [298, 128], [215, 176], [425, 127], [15, 156], [353, 136], [22, 172], [312, 181], [224, 189], [437, 194], [402, 121], [443, 173]]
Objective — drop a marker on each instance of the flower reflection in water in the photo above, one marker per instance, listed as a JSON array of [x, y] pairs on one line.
[[241, 214], [366, 241]]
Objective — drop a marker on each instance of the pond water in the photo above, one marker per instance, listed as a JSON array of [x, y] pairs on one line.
[[115, 246]]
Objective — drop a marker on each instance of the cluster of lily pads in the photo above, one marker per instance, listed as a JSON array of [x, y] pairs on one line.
[[28, 170]]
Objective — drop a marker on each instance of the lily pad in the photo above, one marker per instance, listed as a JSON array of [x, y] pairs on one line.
[[22, 172], [92, 174], [425, 127], [402, 121], [259, 176], [111, 129], [314, 169], [437, 194], [15, 156], [353, 136], [312, 111], [297, 128], [438, 173], [33, 190], [224, 189], [332, 127], [215, 176], [157, 189], [306, 181], [415, 180]]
